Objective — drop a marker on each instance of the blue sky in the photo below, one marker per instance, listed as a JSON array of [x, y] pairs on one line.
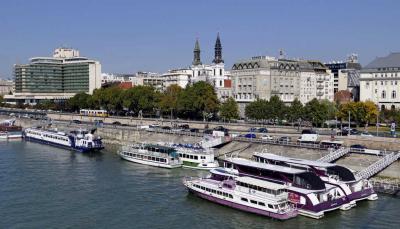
[[129, 36]]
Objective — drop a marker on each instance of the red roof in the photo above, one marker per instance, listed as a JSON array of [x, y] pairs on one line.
[[125, 85]]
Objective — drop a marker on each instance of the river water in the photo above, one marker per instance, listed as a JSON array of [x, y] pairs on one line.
[[46, 187]]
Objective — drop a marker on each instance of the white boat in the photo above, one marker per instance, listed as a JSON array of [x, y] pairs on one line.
[[246, 194], [151, 154], [78, 140], [196, 157], [10, 135]]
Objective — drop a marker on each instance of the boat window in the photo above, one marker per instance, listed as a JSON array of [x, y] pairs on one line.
[[270, 206], [180, 155], [253, 201], [191, 156], [196, 157], [203, 157], [230, 196], [203, 188], [261, 204], [219, 192], [244, 199]]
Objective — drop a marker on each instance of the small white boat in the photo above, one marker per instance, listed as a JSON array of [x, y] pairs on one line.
[[151, 154], [6, 135], [196, 157]]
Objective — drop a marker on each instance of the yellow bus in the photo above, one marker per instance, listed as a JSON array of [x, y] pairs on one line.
[[94, 113]]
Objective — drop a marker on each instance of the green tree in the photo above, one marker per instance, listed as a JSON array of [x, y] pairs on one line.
[[140, 98], [316, 112], [169, 98], [295, 111], [276, 108], [229, 109], [257, 110], [78, 101], [197, 100]]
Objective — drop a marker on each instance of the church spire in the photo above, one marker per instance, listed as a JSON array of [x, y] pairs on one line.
[[196, 53], [218, 51]]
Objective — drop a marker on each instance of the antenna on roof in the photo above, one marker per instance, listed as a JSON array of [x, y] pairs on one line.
[[281, 54]]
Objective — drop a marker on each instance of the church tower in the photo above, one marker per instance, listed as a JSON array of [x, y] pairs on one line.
[[196, 54], [218, 51]]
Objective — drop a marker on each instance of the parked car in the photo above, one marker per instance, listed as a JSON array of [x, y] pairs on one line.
[[194, 130], [221, 128], [346, 131], [358, 146], [248, 135], [253, 129], [184, 126], [366, 134], [263, 130], [267, 137], [284, 139], [166, 128], [116, 123], [76, 121]]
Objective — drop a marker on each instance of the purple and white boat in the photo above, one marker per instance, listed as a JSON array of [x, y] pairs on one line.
[[312, 196], [244, 193], [354, 187]]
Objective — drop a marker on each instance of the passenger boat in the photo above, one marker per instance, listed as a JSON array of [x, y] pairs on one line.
[[151, 154], [312, 196], [78, 140], [10, 135], [354, 187], [196, 157], [9, 126], [245, 193]]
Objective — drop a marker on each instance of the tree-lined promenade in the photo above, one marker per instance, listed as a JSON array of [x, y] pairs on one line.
[[200, 102]]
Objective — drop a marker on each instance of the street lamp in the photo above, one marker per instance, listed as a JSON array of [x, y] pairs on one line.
[[348, 132]]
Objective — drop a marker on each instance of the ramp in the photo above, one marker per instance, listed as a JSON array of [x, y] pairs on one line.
[[378, 166], [334, 155]]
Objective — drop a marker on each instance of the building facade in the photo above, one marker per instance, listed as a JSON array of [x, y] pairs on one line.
[[380, 81], [214, 73], [346, 75], [55, 78], [6, 87], [263, 77]]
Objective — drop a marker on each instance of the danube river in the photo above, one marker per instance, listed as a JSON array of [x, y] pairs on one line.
[[46, 187]]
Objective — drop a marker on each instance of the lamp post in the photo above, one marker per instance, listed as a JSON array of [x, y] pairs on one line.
[[348, 132]]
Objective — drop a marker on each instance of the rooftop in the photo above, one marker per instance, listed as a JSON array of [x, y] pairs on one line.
[[261, 183], [390, 61], [277, 168]]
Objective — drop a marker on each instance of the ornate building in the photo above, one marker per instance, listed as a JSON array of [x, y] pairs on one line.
[[213, 73]]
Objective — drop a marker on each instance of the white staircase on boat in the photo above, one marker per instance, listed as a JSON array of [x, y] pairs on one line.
[[334, 155], [379, 165]]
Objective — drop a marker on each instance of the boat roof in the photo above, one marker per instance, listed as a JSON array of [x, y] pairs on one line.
[[165, 148], [274, 157], [260, 183], [277, 168]]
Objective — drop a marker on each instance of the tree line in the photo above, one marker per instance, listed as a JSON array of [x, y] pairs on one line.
[[199, 101]]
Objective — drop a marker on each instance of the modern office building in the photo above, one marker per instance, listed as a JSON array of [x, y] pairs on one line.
[[346, 75], [263, 77], [380, 81], [55, 78]]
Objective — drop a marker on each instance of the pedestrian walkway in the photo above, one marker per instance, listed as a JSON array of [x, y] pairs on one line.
[[334, 155], [379, 165]]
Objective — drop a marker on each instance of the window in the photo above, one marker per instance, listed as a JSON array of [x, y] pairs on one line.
[[270, 206], [253, 201], [393, 94], [244, 199], [261, 204], [383, 94]]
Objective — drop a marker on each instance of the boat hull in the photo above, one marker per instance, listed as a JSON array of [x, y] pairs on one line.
[[201, 166], [78, 149], [151, 163], [242, 207]]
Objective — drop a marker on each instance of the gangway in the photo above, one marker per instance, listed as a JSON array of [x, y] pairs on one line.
[[379, 165], [334, 155]]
